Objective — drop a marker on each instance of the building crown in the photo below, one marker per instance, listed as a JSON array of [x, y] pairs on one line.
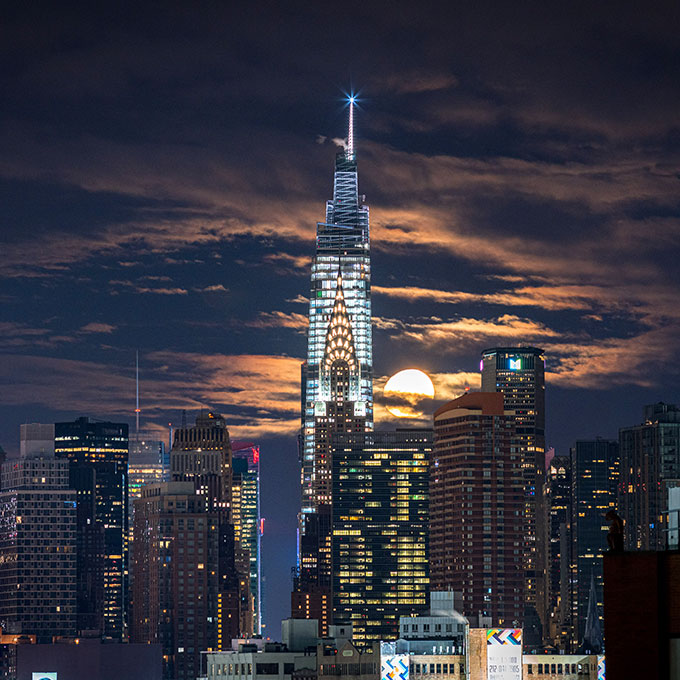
[[339, 337]]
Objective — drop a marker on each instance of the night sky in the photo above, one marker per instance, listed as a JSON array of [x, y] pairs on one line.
[[163, 167]]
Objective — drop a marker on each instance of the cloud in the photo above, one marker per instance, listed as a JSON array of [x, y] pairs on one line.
[[447, 386], [257, 393], [547, 297], [435, 331], [17, 335], [285, 262], [417, 82], [97, 327], [277, 319], [163, 291], [215, 288], [299, 299]]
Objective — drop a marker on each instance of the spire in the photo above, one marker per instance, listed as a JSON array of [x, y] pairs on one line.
[[592, 638], [350, 133], [137, 409]]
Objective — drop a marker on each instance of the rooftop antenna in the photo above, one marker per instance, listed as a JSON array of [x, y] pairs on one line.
[[137, 409], [350, 133]]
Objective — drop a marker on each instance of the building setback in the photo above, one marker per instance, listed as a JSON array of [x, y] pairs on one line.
[[97, 452], [650, 464], [37, 549], [476, 506], [519, 374], [595, 478], [380, 528]]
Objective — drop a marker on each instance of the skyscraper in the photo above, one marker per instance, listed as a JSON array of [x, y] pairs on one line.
[[476, 506], [97, 452], [558, 494], [380, 530], [595, 479], [201, 454], [337, 378], [650, 464], [148, 464], [37, 548], [342, 250], [519, 374], [176, 589], [247, 519]]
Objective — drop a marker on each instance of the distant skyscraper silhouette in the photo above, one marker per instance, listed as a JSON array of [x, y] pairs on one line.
[[595, 477]]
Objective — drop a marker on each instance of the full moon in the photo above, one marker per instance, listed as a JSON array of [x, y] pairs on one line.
[[404, 390]]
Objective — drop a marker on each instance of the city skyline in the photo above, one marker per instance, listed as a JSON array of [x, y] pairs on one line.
[[167, 204]]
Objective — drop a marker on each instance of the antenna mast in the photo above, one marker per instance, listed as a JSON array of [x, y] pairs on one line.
[[137, 409], [350, 133]]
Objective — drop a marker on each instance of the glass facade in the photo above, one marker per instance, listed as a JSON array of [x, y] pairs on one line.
[[98, 464], [247, 519], [37, 549], [595, 477], [650, 465], [380, 530], [342, 250], [558, 491]]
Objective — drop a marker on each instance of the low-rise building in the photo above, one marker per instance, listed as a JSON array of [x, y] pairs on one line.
[[274, 662], [441, 631], [562, 666]]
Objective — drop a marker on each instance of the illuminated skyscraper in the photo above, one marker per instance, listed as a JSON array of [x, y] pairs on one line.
[[202, 454], [342, 250], [148, 463], [177, 589], [337, 378], [37, 547], [519, 373], [380, 530], [97, 452], [558, 494], [476, 504], [247, 519], [650, 465]]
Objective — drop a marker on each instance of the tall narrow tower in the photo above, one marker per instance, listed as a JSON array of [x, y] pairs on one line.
[[519, 374], [337, 378], [342, 248]]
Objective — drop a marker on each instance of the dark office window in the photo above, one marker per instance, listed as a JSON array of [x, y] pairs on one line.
[[267, 668]]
